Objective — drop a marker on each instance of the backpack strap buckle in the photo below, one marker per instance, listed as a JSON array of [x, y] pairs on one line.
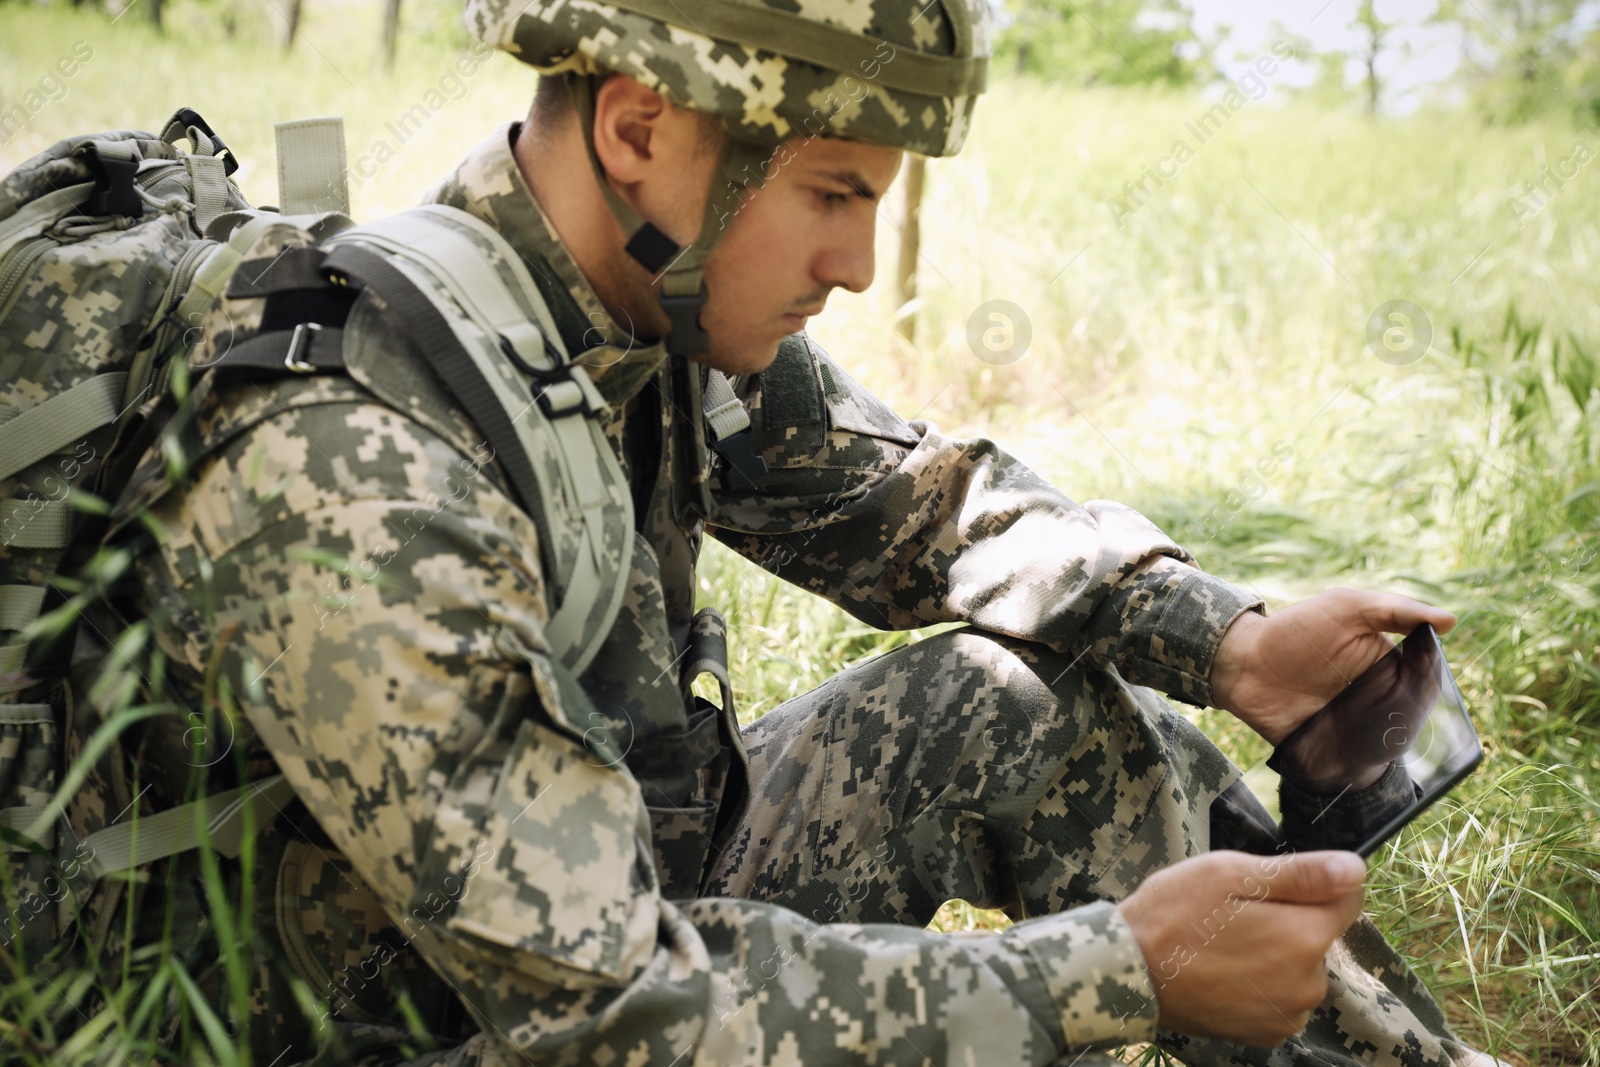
[[568, 392], [114, 168], [305, 334]]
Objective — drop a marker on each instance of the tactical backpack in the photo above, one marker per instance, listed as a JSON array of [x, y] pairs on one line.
[[113, 249]]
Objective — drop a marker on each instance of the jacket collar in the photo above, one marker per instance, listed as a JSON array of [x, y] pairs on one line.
[[488, 184]]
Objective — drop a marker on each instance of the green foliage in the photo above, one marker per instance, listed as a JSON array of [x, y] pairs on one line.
[[1529, 57], [1103, 42]]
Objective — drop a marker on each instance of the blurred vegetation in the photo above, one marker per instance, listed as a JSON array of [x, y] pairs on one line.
[[1103, 42], [1527, 57], [1222, 322]]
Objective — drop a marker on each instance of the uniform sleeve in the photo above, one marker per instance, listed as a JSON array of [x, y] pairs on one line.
[[902, 527], [378, 607]]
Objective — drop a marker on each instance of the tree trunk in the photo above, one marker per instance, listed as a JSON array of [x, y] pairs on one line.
[[155, 13], [911, 245], [391, 31], [294, 25]]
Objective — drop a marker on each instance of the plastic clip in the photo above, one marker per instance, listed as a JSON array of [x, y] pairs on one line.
[[687, 337], [188, 116], [114, 192]]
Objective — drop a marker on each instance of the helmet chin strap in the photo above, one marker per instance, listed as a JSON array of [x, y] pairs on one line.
[[680, 275], [679, 272]]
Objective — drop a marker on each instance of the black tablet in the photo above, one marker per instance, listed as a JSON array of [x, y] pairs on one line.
[[1405, 707]]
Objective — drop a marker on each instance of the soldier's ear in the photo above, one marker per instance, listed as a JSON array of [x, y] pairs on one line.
[[652, 154], [631, 128]]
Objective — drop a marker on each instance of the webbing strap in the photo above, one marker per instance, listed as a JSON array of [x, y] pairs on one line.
[[580, 447], [435, 338], [673, 754], [292, 268], [19, 605], [307, 349], [35, 523], [584, 586], [12, 657], [467, 275], [155, 837], [209, 181], [20, 818], [207, 284], [500, 402], [56, 423], [26, 715], [39, 215], [724, 413], [490, 397], [238, 231], [311, 166], [827, 46], [730, 430], [655, 248], [231, 226]]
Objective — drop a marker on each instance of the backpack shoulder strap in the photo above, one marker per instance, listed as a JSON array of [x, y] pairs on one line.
[[470, 305]]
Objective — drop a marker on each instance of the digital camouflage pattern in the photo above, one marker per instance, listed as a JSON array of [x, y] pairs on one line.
[[78, 302], [1006, 774], [599, 869], [762, 95]]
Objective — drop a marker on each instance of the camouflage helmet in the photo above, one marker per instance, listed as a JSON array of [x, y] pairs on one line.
[[900, 73]]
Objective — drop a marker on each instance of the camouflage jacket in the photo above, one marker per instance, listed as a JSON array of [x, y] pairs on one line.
[[345, 555]]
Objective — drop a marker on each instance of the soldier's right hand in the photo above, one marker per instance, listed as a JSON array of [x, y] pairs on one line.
[[1235, 943]]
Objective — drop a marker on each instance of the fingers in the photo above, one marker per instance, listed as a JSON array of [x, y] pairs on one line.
[[1395, 614], [1312, 878], [1346, 911], [1237, 944]]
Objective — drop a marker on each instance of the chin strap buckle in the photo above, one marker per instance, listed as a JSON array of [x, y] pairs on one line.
[[686, 337]]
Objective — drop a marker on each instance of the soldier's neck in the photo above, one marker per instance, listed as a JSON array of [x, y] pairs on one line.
[[564, 186]]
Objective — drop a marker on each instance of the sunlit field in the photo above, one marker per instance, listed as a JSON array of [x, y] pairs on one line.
[[1199, 349]]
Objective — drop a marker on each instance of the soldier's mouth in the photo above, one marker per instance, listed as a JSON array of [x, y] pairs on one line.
[[796, 320]]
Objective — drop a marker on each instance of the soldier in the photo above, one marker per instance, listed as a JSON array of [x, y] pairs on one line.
[[502, 860]]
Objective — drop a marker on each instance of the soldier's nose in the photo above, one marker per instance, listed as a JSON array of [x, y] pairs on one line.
[[849, 265]]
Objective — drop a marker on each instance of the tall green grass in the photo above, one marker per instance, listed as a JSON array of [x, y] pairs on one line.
[[1206, 361]]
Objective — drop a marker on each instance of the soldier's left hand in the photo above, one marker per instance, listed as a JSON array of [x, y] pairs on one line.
[[1274, 671]]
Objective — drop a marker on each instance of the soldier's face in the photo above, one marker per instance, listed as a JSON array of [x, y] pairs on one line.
[[807, 231]]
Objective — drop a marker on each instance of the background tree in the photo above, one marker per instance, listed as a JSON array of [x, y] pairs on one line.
[[292, 17], [910, 245], [1521, 58], [391, 31], [1375, 35], [1104, 42]]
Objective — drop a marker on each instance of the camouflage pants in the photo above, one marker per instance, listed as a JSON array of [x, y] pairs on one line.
[[1001, 773]]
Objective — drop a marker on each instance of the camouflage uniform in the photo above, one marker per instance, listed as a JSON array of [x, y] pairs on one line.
[[595, 869]]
